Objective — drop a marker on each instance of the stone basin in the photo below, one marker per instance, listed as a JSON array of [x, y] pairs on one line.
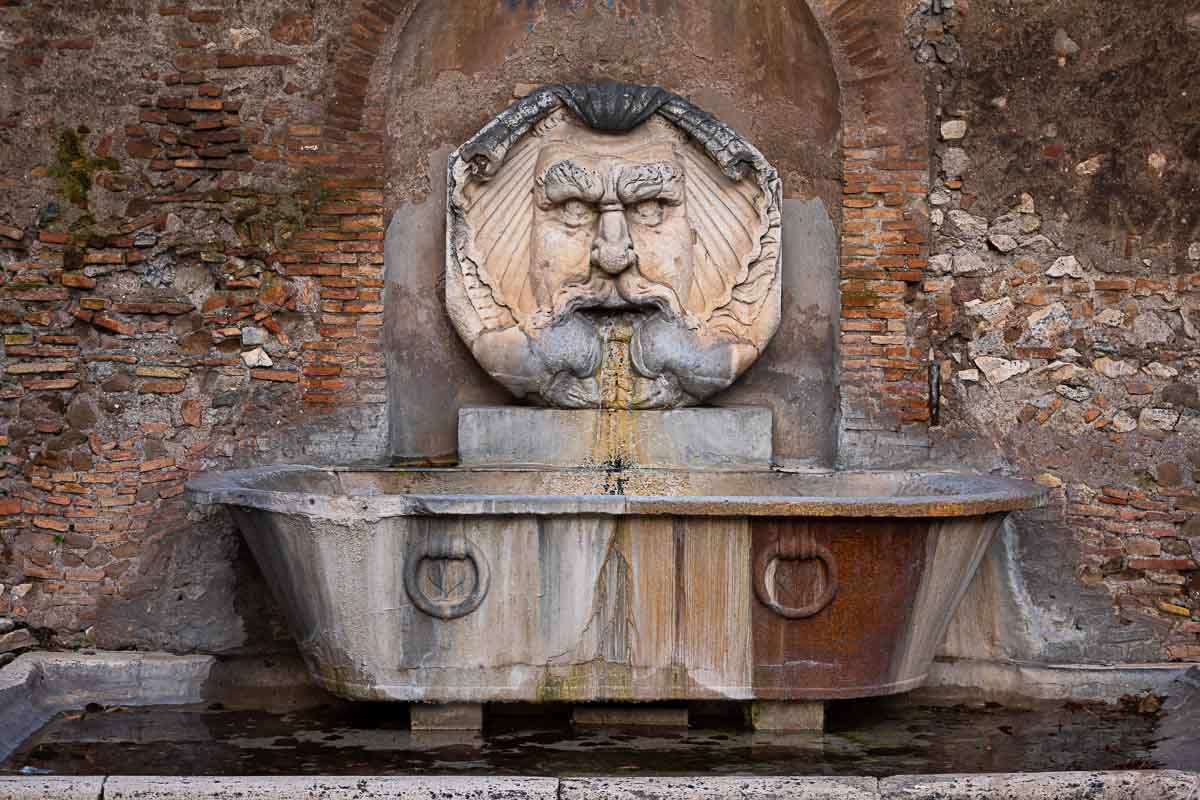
[[478, 585]]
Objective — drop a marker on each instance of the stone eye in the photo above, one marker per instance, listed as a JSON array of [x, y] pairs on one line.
[[647, 212], [577, 213]]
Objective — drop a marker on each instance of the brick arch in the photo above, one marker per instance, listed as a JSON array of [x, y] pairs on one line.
[[869, 57], [883, 347], [856, 31], [357, 46]]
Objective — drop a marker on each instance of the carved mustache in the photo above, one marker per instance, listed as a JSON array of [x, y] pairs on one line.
[[602, 290]]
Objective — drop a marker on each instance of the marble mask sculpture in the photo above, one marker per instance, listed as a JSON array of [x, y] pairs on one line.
[[612, 246]]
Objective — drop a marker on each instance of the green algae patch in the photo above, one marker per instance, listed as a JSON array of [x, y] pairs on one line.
[[73, 167]]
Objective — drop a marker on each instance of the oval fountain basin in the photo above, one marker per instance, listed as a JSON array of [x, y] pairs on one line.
[[580, 585]]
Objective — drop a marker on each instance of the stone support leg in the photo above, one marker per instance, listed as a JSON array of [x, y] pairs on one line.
[[446, 716], [630, 716], [787, 715]]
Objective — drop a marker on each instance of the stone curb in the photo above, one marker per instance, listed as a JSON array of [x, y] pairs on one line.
[[1052, 681], [1148, 785], [1129, 785], [82, 788], [731, 788], [328, 788], [37, 686]]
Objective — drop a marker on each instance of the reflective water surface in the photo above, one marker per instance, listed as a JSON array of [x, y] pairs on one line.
[[869, 737]]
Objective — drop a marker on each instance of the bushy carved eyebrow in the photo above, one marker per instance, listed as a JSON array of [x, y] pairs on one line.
[[657, 181], [567, 180]]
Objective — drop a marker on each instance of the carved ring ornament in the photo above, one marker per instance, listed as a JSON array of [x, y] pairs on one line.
[[434, 589], [612, 246], [795, 548]]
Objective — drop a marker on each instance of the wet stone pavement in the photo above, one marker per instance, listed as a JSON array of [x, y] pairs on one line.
[[870, 738]]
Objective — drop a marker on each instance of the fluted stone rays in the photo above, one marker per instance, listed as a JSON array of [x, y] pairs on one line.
[[581, 211]]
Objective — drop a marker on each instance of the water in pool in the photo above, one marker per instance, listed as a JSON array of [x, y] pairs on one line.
[[870, 737]]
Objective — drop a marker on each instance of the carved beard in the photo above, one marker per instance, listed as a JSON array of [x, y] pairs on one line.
[[673, 359]]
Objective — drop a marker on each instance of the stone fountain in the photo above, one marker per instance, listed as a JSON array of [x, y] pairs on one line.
[[613, 260]]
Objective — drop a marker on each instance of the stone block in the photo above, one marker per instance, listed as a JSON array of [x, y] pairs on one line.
[[733, 788], [252, 336], [327, 788], [15, 640], [1177, 733], [84, 787], [630, 716], [446, 716], [694, 438], [1129, 785], [787, 715]]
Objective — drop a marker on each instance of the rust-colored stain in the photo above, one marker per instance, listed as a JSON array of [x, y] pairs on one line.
[[851, 646]]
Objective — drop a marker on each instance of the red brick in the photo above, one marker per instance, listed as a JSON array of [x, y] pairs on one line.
[[38, 367], [278, 375], [204, 16], [77, 280], [162, 387], [192, 412], [204, 104], [1162, 564], [47, 294], [367, 222], [154, 308], [57, 384], [114, 325], [52, 523], [104, 257]]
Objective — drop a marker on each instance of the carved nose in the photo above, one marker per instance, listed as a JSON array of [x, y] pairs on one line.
[[612, 249]]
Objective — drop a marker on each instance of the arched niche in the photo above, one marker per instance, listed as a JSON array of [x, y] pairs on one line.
[[763, 67]]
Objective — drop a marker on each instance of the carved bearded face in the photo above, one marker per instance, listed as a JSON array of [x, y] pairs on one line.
[[613, 222], [593, 268]]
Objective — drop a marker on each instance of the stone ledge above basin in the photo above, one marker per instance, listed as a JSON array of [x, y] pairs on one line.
[[366, 493]]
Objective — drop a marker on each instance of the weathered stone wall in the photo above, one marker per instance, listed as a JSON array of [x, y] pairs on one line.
[[1064, 279], [185, 286], [193, 199]]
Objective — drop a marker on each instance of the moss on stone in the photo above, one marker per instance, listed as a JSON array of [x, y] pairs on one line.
[[276, 217], [84, 230], [73, 167]]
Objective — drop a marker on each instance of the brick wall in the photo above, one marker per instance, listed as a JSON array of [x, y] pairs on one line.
[[193, 267]]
